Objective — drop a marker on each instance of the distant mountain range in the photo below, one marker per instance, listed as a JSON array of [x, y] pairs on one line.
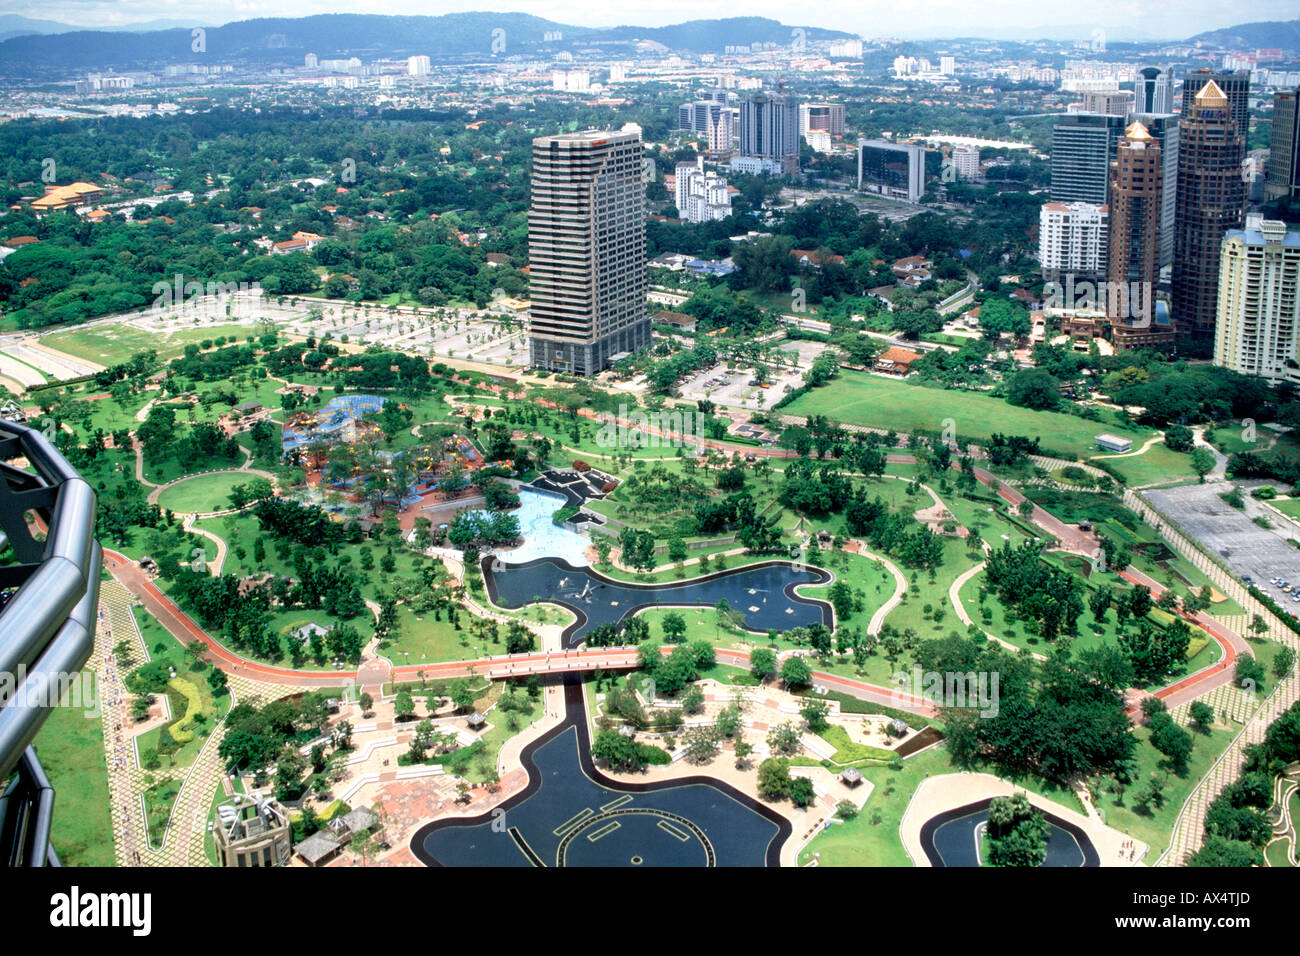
[[282, 41], [31, 47], [12, 25], [1253, 36]]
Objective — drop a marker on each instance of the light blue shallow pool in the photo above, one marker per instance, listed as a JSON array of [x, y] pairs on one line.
[[542, 537]]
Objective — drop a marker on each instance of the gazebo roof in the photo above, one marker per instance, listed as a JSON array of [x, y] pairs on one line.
[[317, 846]]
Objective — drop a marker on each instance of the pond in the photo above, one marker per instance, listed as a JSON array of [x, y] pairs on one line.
[[762, 593], [570, 814], [953, 839], [543, 538]]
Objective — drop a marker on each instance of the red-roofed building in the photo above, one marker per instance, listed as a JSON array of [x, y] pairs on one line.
[[896, 361]]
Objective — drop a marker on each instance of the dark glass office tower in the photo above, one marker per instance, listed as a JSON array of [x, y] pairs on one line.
[[1211, 200]]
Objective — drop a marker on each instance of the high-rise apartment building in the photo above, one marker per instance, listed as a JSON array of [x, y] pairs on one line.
[[1282, 175], [1211, 200], [1110, 102], [769, 135], [586, 250], [1083, 146], [418, 66], [701, 196], [1072, 241], [823, 116], [1259, 302], [1154, 90], [1133, 260], [966, 162]]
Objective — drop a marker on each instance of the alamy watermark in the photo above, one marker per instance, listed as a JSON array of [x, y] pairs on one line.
[[1133, 302], [178, 293], [74, 689], [974, 689], [669, 428]]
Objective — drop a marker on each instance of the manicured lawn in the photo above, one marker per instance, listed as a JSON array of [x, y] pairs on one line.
[[112, 343], [165, 648], [1156, 827], [872, 837], [202, 492], [1279, 853], [71, 749], [1289, 506], [857, 398], [1156, 465]]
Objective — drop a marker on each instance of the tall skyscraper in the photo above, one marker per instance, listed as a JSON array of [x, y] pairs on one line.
[[1235, 85], [1163, 128], [1282, 177], [710, 117], [1134, 257], [1259, 302], [1155, 90], [769, 135], [586, 250], [1083, 146], [1211, 200]]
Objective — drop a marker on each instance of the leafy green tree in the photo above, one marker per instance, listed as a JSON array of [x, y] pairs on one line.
[[796, 673], [774, 777], [762, 663], [801, 791]]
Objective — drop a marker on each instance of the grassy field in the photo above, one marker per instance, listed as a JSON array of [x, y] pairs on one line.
[[1156, 465], [856, 398], [112, 343], [1156, 826], [202, 492], [71, 749]]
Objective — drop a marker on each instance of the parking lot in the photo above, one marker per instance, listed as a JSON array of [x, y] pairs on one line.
[[1249, 550], [733, 386]]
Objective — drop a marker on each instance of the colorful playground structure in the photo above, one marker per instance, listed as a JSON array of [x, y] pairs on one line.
[[338, 420]]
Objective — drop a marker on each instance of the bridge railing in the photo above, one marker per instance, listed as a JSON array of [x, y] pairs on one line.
[[49, 592]]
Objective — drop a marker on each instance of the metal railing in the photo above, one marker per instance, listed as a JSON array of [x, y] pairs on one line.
[[49, 592]]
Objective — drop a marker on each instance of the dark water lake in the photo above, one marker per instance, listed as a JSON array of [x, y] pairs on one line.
[[571, 816], [763, 594]]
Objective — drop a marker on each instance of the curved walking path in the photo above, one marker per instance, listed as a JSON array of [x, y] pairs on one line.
[[1146, 446], [216, 564], [498, 667]]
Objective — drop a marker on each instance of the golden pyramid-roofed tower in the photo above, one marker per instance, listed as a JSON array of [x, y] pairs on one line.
[[1137, 132], [1211, 94]]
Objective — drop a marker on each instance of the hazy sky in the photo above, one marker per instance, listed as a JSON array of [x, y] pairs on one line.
[[1158, 18]]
